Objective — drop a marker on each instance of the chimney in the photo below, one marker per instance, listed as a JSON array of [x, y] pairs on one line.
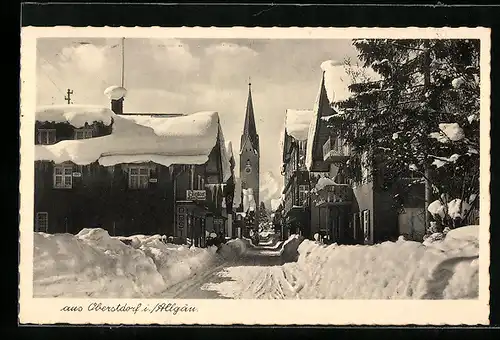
[[116, 94], [117, 106]]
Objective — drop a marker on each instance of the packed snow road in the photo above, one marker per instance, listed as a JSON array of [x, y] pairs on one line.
[[256, 274]]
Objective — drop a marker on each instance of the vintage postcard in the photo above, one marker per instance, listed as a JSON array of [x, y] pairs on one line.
[[270, 176]]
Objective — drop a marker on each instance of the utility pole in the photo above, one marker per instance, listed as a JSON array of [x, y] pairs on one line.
[[68, 96], [123, 63], [428, 184]]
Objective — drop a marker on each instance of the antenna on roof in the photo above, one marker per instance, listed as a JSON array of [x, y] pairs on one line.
[[69, 92], [123, 62], [249, 81]]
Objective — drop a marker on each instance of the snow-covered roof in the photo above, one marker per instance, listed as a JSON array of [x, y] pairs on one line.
[[177, 140], [335, 82], [75, 115], [115, 92], [337, 79], [313, 126], [297, 123]]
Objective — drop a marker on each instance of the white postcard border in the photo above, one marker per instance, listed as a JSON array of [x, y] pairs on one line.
[[264, 312]]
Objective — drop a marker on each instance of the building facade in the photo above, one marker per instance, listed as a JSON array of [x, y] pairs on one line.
[[295, 210], [125, 198], [349, 203]]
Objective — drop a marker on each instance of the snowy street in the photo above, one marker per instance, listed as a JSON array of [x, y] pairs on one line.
[[256, 274], [93, 264]]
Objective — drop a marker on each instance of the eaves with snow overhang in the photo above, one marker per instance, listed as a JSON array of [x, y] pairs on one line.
[[187, 139], [295, 127]]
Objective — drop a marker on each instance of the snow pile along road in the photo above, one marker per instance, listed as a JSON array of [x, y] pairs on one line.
[[446, 269], [94, 264]]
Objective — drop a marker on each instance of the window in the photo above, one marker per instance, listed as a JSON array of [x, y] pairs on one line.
[[303, 193], [201, 182], [83, 133], [42, 222], [63, 176], [46, 136], [138, 177]]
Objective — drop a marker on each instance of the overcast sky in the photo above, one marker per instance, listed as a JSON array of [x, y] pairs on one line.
[[189, 75]]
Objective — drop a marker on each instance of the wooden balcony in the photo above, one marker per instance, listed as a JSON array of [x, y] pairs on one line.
[[335, 194], [335, 150]]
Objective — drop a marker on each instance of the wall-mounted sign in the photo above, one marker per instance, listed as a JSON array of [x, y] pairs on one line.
[[77, 174], [196, 195], [153, 180]]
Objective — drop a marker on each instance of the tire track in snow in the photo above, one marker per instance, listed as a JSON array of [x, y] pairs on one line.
[[191, 288], [442, 274], [256, 274]]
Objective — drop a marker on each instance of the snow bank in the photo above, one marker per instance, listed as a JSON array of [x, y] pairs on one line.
[[446, 269], [297, 123], [75, 115], [289, 251], [136, 139], [94, 264], [176, 263], [233, 249], [266, 233]]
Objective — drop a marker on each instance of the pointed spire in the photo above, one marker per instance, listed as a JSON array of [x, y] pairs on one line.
[[250, 129]]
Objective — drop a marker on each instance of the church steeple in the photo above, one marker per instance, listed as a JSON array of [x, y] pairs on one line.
[[249, 129]]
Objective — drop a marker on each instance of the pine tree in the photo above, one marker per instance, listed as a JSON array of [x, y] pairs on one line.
[[420, 117]]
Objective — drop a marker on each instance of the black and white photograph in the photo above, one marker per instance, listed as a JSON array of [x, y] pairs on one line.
[[180, 168]]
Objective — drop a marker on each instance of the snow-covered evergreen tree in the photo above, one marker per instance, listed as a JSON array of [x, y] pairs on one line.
[[421, 117], [264, 217]]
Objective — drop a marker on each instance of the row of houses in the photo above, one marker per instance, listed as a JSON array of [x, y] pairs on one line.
[[331, 192], [132, 173]]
